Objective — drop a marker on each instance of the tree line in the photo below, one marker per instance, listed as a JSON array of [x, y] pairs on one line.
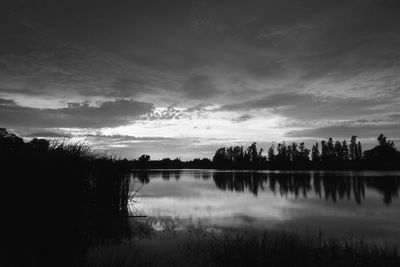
[[326, 154]]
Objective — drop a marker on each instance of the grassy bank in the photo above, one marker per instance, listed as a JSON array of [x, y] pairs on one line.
[[201, 248], [57, 198]]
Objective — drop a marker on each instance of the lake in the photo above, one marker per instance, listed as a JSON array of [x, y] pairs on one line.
[[359, 203]]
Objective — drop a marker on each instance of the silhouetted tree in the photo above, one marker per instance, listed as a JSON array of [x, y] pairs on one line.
[[271, 154], [221, 159], [359, 151], [282, 154], [144, 158], [384, 155], [197, 163], [302, 154], [353, 148], [293, 152], [41, 145], [333, 155], [345, 151], [324, 151], [315, 153], [338, 151], [330, 150]]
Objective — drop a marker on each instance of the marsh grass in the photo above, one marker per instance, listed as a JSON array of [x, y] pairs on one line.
[[199, 247], [124, 254], [57, 198], [285, 249]]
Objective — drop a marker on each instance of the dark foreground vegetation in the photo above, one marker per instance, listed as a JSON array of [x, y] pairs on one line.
[[56, 199], [326, 155], [201, 248], [65, 205]]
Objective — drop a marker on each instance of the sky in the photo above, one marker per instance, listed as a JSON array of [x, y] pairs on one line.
[[182, 78]]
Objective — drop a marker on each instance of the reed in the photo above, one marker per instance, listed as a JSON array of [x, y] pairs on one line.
[[57, 198], [239, 248], [285, 249]]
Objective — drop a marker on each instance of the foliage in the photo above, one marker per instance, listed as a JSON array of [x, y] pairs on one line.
[[57, 197], [328, 155]]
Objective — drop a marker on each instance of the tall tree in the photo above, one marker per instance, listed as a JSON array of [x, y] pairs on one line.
[[345, 151], [315, 153], [303, 153], [330, 149], [385, 151], [359, 151], [353, 148], [282, 154], [271, 154], [324, 151], [338, 151], [292, 152]]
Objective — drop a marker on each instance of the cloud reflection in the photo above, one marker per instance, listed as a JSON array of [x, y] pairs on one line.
[[265, 200]]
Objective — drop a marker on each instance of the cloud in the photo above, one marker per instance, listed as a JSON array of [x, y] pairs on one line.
[[47, 51], [47, 135], [313, 107], [75, 115], [125, 138], [6, 102], [271, 101], [346, 130], [242, 118], [157, 146], [200, 108], [199, 87], [123, 87], [169, 113], [305, 64]]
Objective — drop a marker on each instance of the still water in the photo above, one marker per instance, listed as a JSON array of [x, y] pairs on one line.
[[359, 203]]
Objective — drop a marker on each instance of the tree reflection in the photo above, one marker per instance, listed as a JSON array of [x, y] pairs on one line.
[[240, 181], [331, 186]]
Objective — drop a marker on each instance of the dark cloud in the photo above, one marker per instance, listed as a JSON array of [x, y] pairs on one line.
[[346, 130], [75, 115], [77, 45], [311, 62], [199, 87], [127, 87], [271, 101], [394, 117], [242, 118], [6, 102], [310, 106]]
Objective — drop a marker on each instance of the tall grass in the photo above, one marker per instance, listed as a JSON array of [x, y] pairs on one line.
[[237, 248], [285, 249], [56, 198]]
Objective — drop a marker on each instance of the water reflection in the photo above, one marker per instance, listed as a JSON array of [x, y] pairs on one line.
[[331, 186], [363, 203]]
